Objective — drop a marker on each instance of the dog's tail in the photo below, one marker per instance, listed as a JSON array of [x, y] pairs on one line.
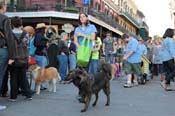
[[57, 74], [59, 77]]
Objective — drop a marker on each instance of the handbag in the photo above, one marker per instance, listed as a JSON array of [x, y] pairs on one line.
[[84, 53], [32, 60]]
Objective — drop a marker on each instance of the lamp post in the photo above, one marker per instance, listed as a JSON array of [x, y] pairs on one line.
[[65, 3]]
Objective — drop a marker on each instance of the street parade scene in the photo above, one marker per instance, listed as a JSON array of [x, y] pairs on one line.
[[87, 57]]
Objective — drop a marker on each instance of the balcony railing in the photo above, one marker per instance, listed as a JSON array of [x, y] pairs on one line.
[[73, 9], [109, 20], [113, 6], [39, 7], [126, 14]]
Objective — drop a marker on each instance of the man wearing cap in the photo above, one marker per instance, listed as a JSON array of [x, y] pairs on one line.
[[132, 59]]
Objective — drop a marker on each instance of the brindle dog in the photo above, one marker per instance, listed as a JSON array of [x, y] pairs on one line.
[[91, 84]]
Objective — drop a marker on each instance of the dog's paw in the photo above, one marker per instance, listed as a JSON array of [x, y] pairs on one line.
[[94, 104], [107, 104], [83, 110]]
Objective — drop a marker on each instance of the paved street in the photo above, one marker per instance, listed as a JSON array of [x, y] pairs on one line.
[[148, 100]]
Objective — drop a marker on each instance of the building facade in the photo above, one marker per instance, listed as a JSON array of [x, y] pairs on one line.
[[172, 11], [118, 16]]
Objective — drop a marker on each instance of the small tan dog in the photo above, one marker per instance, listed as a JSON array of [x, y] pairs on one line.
[[113, 71], [40, 75]]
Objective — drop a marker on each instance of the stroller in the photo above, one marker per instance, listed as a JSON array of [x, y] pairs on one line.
[[144, 69]]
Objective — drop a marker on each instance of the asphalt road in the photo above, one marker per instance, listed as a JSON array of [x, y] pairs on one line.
[[147, 100]]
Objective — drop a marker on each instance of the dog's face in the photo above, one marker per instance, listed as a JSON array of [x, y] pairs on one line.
[[73, 76], [33, 67], [76, 76]]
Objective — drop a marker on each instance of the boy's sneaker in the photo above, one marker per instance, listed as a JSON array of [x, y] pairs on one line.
[[2, 107], [136, 83], [128, 85], [12, 100]]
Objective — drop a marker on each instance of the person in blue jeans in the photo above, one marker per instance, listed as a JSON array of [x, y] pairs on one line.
[[72, 56], [108, 48], [63, 65], [7, 44], [62, 57]]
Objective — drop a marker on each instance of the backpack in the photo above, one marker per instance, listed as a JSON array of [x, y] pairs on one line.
[[21, 50]]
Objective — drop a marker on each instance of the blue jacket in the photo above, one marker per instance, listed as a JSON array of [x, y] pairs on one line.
[[168, 49], [133, 45], [31, 47]]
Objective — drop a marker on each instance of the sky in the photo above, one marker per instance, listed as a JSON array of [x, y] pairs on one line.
[[157, 15]]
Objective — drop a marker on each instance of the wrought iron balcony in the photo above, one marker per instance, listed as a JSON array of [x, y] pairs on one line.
[[129, 17], [72, 9], [40, 7], [109, 20], [112, 5]]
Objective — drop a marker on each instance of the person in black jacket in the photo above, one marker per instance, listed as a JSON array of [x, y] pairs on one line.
[[53, 48]]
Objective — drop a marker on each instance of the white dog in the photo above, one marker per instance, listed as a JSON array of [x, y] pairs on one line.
[[40, 75]]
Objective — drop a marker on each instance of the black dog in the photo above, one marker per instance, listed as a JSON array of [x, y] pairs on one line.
[[91, 84]]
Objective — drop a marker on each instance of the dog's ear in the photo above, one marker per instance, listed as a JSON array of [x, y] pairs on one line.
[[70, 75], [82, 78], [79, 71], [107, 68]]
